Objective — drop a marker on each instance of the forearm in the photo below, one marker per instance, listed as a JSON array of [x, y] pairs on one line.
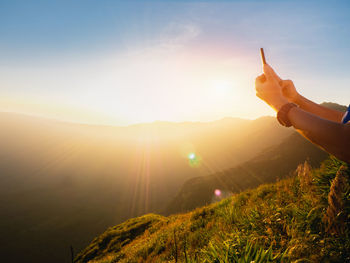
[[321, 111], [331, 136]]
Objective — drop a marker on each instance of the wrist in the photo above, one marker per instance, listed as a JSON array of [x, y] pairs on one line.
[[279, 103], [297, 99], [282, 114]]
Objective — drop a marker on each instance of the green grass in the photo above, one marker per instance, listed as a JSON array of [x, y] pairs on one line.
[[280, 222]]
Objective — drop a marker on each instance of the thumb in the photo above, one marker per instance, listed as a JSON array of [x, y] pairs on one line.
[[270, 73]]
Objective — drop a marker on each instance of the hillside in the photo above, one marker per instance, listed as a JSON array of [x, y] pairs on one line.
[[270, 165], [290, 220], [72, 181]]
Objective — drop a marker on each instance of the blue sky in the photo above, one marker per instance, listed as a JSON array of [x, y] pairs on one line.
[[121, 62]]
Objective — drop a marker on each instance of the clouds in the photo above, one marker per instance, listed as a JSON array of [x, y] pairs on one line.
[[174, 61], [179, 34]]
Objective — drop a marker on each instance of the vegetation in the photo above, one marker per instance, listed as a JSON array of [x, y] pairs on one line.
[[303, 218], [271, 164], [72, 181]]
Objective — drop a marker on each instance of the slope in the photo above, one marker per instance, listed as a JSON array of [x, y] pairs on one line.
[[285, 221], [270, 165], [71, 181]]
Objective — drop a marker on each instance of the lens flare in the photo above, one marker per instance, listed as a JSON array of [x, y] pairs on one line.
[[194, 160], [192, 156], [217, 192]]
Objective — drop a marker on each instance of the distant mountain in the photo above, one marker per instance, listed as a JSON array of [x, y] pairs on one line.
[[334, 106], [61, 183], [270, 165]]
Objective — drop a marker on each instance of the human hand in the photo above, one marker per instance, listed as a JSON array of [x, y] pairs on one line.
[[288, 89], [268, 88]]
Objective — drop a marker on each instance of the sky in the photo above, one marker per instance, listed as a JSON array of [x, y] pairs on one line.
[[125, 62]]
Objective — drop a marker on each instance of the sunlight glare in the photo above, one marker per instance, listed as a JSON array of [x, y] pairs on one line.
[[221, 88], [192, 156]]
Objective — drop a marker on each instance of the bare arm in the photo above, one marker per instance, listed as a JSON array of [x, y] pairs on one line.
[[330, 135], [333, 137], [292, 95]]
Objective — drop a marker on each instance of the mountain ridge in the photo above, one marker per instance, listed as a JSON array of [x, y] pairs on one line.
[[278, 160], [72, 182], [266, 167]]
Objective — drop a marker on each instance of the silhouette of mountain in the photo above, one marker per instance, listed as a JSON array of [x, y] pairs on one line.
[[62, 183], [72, 181], [270, 165]]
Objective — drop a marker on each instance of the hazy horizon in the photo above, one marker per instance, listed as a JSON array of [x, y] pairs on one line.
[[51, 118]]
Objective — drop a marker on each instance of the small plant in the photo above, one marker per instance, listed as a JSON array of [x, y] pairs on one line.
[[304, 175], [230, 253], [175, 246], [334, 217]]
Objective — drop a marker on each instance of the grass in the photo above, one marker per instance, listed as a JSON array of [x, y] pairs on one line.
[[280, 222]]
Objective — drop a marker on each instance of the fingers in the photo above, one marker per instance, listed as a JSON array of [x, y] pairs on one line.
[[270, 73], [258, 95], [275, 75], [259, 83], [267, 71], [286, 83], [260, 78]]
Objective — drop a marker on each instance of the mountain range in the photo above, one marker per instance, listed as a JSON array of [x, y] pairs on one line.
[[64, 183]]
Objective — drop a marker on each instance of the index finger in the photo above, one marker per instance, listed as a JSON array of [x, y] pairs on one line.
[[270, 73]]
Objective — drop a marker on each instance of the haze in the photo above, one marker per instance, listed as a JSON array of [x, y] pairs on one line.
[[128, 62]]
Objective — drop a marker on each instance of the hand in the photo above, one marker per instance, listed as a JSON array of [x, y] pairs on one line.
[[269, 90], [289, 91]]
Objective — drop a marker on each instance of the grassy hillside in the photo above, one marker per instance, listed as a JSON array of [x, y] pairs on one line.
[[72, 181], [304, 217], [270, 165]]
